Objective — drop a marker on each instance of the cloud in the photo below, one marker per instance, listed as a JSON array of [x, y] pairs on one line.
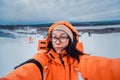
[[35, 11]]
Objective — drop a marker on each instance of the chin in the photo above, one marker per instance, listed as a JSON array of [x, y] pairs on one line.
[[58, 51]]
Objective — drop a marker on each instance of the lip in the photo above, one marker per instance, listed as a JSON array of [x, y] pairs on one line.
[[58, 47]]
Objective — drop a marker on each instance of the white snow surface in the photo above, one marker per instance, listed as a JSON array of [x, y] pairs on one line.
[[17, 50]]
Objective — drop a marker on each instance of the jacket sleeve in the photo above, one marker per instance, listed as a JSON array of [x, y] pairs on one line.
[[99, 68], [28, 71]]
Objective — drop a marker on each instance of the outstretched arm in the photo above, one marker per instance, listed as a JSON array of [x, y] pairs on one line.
[[25, 72], [30, 70], [99, 68]]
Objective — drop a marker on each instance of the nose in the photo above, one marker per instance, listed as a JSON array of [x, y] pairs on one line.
[[58, 41]]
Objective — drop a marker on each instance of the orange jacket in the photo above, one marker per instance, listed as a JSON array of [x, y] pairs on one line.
[[90, 67]]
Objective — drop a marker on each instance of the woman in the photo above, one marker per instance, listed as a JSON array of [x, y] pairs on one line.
[[61, 57]]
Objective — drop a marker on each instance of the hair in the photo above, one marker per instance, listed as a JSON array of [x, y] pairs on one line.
[[71, 48]]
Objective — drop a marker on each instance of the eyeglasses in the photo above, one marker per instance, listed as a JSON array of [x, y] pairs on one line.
[[61, 39]]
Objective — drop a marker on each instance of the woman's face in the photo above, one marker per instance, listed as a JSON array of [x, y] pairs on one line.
[[59, 40]]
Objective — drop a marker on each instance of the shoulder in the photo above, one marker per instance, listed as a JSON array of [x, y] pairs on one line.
[[39, 54], [42, 57], [89, 57]]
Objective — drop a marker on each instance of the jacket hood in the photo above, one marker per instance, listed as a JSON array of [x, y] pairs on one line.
[[42, 44], [69, 25]]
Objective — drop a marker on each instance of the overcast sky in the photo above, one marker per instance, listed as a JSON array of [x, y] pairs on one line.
[[39, 11]]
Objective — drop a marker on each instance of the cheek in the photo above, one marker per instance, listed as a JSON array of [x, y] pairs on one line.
[[53, 44], [65, 44]]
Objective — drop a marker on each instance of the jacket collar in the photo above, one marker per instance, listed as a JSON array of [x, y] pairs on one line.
[[65, 57], [52, 54]]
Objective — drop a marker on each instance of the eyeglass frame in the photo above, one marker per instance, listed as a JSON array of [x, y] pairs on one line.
[[60, 38]]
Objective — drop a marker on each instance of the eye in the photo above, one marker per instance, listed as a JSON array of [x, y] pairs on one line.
[[63, 38], [54, 37]]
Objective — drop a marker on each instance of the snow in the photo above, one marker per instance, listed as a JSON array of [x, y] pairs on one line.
[[97, 27], [107, 45], [14, 51]]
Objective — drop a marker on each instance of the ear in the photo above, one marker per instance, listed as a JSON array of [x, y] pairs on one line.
[[79, 46]]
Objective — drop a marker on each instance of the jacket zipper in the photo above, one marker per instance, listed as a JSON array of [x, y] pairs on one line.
[[61, 60]]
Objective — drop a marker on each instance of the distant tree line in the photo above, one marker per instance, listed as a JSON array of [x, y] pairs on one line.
[[92, 23]]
